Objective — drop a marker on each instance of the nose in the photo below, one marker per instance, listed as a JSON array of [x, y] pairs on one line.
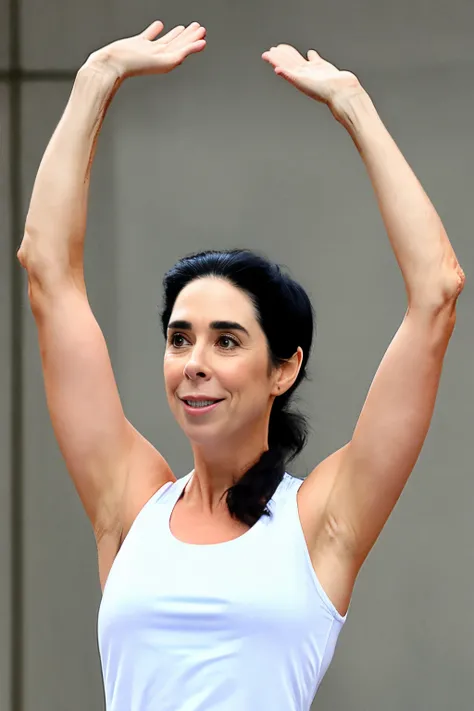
[[196, 368]]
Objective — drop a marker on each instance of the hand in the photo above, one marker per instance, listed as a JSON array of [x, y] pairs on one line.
[[313, 76], [144, 54]]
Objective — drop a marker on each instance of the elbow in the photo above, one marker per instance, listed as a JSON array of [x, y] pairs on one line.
[[453, 284], [440, 294], [22, 253], [29, 254], [28, 264], [445, 298], [47, 269], [434, 306]]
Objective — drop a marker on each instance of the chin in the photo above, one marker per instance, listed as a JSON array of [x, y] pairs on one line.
[[205, 434]]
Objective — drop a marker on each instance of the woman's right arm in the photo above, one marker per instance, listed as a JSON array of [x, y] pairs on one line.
[[101, 449]]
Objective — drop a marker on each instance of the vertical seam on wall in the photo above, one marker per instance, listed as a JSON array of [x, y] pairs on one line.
[[15, 78], [16, 389]]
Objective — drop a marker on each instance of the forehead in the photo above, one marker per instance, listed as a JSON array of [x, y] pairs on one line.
[[212, 299]]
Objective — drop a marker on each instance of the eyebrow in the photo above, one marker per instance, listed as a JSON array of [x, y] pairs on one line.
[[214, 325]]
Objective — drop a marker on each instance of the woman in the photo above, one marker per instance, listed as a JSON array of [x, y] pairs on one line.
[[227, 588]]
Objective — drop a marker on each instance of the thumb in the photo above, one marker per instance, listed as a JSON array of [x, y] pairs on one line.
[[312, 54]]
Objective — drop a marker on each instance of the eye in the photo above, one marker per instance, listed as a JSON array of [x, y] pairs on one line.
[[228, 342], [177, 340]]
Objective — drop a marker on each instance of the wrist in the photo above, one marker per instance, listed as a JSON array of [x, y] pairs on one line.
[[94, 88], [100, 70], [351, 106]]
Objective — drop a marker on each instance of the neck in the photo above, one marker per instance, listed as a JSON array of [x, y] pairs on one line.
[[216, 469]]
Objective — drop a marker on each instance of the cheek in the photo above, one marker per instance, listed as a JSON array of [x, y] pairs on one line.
[[252, 378], [172, 373], [237, 374]]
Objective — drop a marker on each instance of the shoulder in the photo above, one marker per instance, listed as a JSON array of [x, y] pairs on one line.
[[288, 488], [148, 472], [290, 482]]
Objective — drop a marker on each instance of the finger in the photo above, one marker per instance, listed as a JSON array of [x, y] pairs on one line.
[[290, 53], [197, 46], [193, 33], [287, 55], [285, 73], [192, 48], [313, 56], [191, 29], [284, 55], [270, 57], [152, 30], [171, 35], [177, 58]]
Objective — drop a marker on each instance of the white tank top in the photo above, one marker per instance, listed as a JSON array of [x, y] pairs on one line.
[[237, 626]]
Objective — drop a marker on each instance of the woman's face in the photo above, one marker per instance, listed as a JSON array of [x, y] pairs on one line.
[[217, 377]]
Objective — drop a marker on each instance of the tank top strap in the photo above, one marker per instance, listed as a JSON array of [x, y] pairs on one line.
[[166, 495], [171, 494], [285, 495]]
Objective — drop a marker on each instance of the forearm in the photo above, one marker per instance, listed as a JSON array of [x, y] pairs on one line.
[[426, 258], [53, 242]]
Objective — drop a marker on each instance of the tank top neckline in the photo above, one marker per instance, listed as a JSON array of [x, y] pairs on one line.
[[180, 487]]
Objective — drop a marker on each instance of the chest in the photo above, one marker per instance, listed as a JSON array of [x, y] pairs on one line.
[[193, 529], [249, 585], [188, 527]]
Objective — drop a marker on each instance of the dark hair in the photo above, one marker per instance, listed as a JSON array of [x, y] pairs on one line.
[[285, 314]]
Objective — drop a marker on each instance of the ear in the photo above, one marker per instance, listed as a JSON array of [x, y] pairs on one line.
[[287, 373]]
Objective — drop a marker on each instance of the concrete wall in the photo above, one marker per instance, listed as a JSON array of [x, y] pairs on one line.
[[221, 153]]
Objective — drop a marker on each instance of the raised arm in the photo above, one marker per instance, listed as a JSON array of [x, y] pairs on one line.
[[367, 476], [103, 452]]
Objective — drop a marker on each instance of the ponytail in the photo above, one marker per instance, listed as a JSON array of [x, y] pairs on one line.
[[288, 431]]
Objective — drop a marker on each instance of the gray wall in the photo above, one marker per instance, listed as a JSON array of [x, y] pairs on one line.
[[223, 153]]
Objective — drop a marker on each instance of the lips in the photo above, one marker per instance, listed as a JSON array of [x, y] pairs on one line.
[[195, 406], [200, 398]]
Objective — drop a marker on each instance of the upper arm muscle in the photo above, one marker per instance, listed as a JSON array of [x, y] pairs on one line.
[[390, 431], [94, 436], [348, 497]]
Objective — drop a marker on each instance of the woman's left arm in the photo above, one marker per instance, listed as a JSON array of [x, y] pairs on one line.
[[374, 467], [432, 275]]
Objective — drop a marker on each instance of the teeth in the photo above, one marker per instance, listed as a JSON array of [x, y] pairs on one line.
[[199, 403]]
